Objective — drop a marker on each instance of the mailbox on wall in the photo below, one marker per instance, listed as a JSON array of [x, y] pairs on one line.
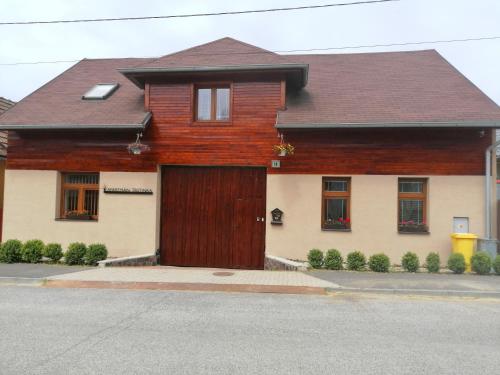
[[277, 216]]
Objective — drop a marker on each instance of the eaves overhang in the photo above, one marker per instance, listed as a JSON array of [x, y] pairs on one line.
[[140, 126], [371, 125], [297, 74]]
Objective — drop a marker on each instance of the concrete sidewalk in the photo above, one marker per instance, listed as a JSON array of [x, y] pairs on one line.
[[312, 282], [32, 274], [412, 283], [176, 278]]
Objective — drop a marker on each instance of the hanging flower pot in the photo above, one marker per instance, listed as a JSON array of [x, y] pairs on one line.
[[284, 149], [137, 147]]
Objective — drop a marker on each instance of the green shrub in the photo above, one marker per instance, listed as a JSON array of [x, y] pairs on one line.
[[75, 253], [496, 264], [456, 263], [333, 260], [481, 263], [315, 258], [410, 262], [95, 253], [53, 251], [32, 251], [432, 262], [356, 261], [379, 263], [10, 251]]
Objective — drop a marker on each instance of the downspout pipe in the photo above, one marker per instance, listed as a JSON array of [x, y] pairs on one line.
[[488, 155]]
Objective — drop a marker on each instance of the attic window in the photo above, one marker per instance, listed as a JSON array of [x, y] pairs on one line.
[[101, 91]]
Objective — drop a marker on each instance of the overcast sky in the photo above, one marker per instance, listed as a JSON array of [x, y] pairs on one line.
[[403, 21]]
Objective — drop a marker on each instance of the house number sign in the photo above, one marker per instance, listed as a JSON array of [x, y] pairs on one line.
[[122, 190]]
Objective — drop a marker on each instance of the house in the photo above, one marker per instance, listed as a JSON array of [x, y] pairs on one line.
[[176, 154], [5, 104]]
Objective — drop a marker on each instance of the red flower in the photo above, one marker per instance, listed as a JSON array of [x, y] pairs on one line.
[[340, 219], [347, 220], [403, 222]]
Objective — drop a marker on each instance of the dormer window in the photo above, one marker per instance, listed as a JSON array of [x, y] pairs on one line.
[[101, 91], [212, 103]]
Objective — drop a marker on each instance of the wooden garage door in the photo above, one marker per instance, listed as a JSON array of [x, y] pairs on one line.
[[213, 217]]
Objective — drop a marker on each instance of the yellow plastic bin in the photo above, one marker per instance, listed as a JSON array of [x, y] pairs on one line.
[[464, 243]]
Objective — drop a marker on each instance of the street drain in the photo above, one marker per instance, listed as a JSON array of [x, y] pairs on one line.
[[223, 273]]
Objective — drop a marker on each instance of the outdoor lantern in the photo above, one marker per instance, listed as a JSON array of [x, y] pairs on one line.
[[277, 215], [137, 147]]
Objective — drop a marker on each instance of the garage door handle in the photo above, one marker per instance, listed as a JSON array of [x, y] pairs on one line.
[[260, 218]]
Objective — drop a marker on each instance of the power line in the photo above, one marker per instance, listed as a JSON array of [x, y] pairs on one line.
[[289, 51], [392, 44], [196, 14], [38, 62]]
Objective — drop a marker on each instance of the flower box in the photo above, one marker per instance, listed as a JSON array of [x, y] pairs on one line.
[[74, 215], [342, 225], [413, 228]]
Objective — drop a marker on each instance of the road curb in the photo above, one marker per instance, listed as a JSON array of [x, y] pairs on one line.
[[419, 292], [241, 288]]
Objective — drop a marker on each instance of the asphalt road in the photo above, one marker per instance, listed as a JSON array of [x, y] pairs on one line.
[[85, 331]]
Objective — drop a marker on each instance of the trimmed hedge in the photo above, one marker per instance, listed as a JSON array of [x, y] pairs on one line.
[[432, 262], [32, 251], [95, 252], [315, 258], [10, 251], [410, 262], [456, 263], [496, 265], [53, 251], [356, 261], [75, 253], [379, 263], [333, 260], [481, 263]]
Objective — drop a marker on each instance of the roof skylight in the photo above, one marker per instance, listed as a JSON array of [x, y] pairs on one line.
[[101, 91]]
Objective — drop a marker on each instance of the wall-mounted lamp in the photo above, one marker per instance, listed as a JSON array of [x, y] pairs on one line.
[[277, 216]]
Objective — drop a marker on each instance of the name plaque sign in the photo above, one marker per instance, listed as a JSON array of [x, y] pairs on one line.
[[123, 190]]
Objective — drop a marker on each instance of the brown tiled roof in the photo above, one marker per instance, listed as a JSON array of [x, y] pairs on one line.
[[371, 89], [59, 102], [384, 88], [222, 55], [221, 52]]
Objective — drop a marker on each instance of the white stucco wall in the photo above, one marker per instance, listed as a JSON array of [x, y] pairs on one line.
[[127, 223], [373, 215]]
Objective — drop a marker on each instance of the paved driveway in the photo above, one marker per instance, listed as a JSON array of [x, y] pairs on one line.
[[88, 331], [35, 271]]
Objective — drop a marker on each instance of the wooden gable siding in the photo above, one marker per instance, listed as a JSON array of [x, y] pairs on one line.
[[247, 141], [84, 151], [387, 151], [173, 136]]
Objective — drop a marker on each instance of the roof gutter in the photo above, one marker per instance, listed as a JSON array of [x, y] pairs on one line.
[[133, 73], [140, 126], [372, 125]]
